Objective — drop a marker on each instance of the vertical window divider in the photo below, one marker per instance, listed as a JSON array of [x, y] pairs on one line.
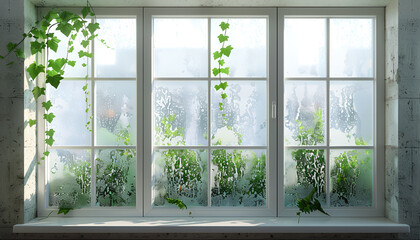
[[92, 121], [327, 124], [209, 112]]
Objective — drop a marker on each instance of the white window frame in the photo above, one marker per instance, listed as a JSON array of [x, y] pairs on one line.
[[275, 143], [377, 208]]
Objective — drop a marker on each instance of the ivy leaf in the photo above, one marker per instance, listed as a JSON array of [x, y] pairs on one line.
[[46, 153], [71, 49], [217, 55], [54, 80], [217, 87], [50, 141], [36, 33], [85, 87], [44, 25], [221, 62], [225, 70], [71, 63], [50, 133], [84, 65], [34, 70], [224, 26], [77, 25], [226, 50], [50, 16], [85, 43], [11, 46], [65, 16], [216, 71], [37, 92], [85, 54], [64, 210], [222, 38], [85, 32], [53, 43], [57, 64], [224, 95], [19, 53], [92, 27], [31, 122], [73, 36], [47, 105], [37, 47], [223, 85], [177, 202], [85, 11], [65, 28], [49, 117]]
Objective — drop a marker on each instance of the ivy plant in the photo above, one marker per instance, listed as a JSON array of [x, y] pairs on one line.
[[42, 38]]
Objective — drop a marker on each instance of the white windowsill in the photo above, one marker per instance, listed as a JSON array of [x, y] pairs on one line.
[[211, 225]]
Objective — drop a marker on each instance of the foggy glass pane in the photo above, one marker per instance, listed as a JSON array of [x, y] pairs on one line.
[[180, 47], [351, 177], [351, 113], [248, 38], [115, 112], [305, 113], [78, 70], [180, 174], [115, 177], [245, 109], [119, 60], [180, 113], [304, 169], [69, 174], [351, 47], [238, 178], [69, 108], [305, 47]]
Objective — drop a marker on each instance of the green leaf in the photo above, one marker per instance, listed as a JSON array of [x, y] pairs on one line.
[[225, 70], [44, 25], [85, 11], [85, 43], [19, 53], [64, 210], [37, 92], [10, 63], [47, 105], [31, 122], [77, 25], [37, 47], [85, 87], [53, 43], [85, 32], [216, 71], [57, 64], [71, 49], [223, 85], [84, 65], [50, 16], [46, 153], [226, 50], [73, 36], [65, 28], [92, 27], [217, 55], [85, 54], [38, 34], [224, 26], [1, 57], [221, 62], [181, 205], [11, 46], [222, 38], [49, 117], [72, 63], [50, 133], [224, 95], [54, 80], [65, 16]]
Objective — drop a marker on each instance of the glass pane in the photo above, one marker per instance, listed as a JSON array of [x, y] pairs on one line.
[[305, 109], [69, 107], [351, 113], [115, 177], [69, 174], [248, 38], [180, 47], [180, 113], [304, 170], [78, 70], [351, 177], [305, 47], [238, 178], [351, 47], [180, 174], [115, 113], [243, 120], [119, 60]]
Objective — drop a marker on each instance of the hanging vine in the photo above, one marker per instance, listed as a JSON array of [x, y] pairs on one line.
[[43, 39]]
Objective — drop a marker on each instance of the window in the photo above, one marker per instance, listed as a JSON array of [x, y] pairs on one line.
[[153, 125]]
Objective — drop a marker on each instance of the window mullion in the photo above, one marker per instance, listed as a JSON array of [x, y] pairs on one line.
[[327, 161], [209, 113], [92, 150]]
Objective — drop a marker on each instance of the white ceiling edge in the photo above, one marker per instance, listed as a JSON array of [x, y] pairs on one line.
[[213, 3]]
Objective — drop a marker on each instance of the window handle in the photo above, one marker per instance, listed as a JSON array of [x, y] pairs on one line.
[[273, 110]]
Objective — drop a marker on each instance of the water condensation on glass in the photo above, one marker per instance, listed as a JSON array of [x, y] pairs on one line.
[[69, 179], [305, 109], [351, 177], [180, 113], [351, 112], [304, 169], [115, 113], [180, 47], [238, 178], [246, 114], [78, 70], [248, 38], [115, 177], [180, 174], [69, 107], [119, 60], [352, 45], [305, 45]]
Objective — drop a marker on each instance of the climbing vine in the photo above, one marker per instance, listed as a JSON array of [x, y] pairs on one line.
[[43, 39]]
